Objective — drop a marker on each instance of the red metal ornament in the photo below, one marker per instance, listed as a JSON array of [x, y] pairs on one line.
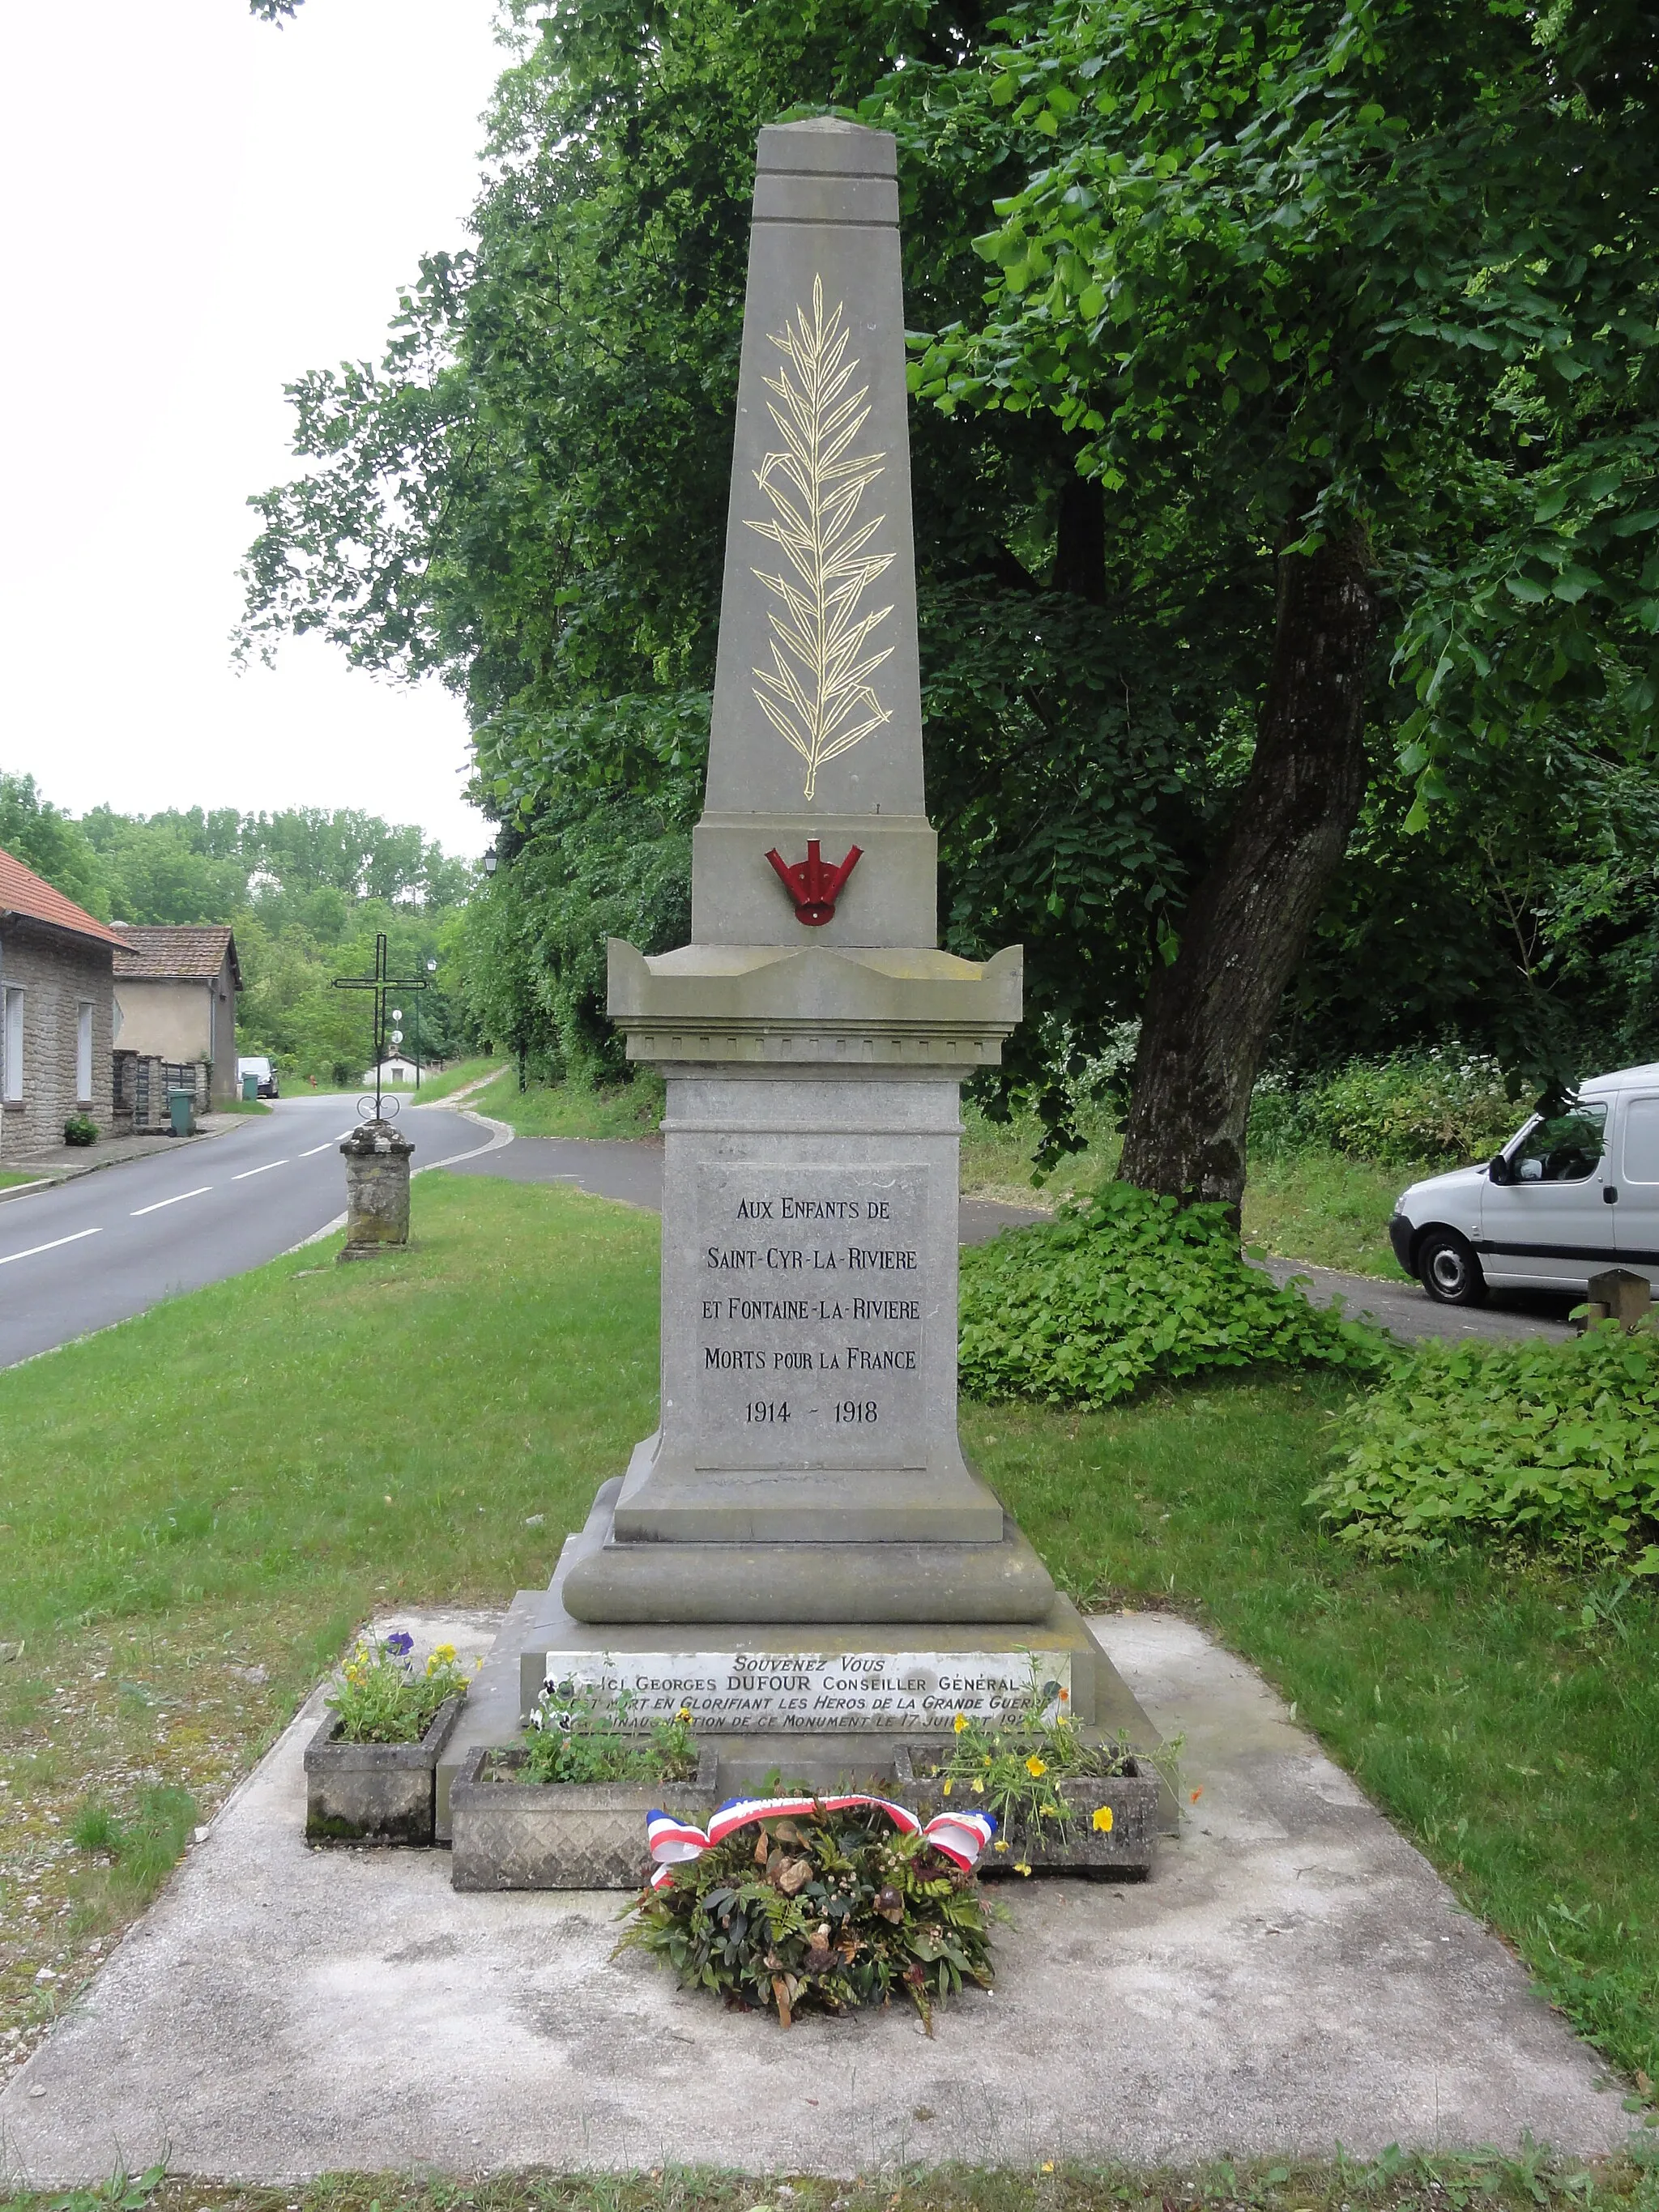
[[812, 884]]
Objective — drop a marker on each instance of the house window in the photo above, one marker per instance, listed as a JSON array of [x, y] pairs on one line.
[[11, 1039], [83, 1053]]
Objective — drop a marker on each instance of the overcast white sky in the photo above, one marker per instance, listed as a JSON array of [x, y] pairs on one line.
[[194, 208]]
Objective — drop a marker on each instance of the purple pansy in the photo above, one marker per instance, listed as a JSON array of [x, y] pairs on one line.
[[399, 1644]]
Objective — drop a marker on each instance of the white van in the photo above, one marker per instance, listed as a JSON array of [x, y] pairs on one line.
[[262, 1072], [1565, 1198]]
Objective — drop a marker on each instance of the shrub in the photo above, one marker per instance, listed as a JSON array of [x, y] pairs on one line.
[[1081, 1309], [1445, 1106], [1557, 1443], [826, 1912], [80, 1129]]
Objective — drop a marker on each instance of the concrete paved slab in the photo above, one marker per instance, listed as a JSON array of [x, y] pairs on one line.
[[1292, 1975]]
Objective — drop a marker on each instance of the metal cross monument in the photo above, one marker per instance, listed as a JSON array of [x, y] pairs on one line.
[[382, 985]]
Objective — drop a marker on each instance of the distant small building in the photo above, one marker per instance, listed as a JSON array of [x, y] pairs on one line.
[[175, 1002], [57, 1012], [394, 1071]]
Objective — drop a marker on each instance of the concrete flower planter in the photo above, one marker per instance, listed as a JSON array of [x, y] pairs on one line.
[[1125, 1847], [375, 1793], [509, 1835]]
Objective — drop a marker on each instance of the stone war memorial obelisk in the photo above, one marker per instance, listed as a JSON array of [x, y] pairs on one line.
[[800, 1553]]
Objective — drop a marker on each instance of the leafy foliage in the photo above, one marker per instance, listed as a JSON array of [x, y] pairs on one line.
[[1247, 270], [571, 1737], [1125, 1287], [1556, 1445], [1444, 1105], [382, 1697], [823, 1912], [1522, 916]]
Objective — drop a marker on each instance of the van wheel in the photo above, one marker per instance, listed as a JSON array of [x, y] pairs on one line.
[[1448, 1270]]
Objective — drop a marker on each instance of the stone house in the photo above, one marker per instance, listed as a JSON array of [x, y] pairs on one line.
[[57, 1012], [176, 1003]]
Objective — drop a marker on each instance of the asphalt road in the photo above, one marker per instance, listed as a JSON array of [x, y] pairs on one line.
[[105, 1246]]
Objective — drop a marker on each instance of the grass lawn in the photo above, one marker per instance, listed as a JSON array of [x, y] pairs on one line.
[[1322, 1206], [195, 1509], [1389, 2184], [455, 1078], [9, 1179], [575, 1109]]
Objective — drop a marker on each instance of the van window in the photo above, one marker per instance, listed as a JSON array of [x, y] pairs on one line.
[[1642, 1141], [1565, 1148]]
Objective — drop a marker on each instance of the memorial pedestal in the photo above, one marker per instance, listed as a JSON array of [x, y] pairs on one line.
[[800, 1553]]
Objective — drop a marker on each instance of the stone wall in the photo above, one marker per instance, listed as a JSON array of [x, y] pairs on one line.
[[56, 973]]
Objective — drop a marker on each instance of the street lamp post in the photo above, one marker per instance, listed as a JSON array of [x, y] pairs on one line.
[[431, 970]]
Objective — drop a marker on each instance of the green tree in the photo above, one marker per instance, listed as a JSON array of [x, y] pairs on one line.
[[529, 493], [1353, 304], [52, 843]]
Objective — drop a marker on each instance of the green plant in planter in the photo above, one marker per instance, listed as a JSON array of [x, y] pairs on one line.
[[826, 1912], [80, 1129], [571, 1737], [1012, 1768], [384, 1698]]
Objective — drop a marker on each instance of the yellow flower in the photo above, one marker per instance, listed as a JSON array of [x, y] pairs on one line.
[[444, 1653], [1035, 1766], [976, 1787], [960, 1723], [683, 1714], [1000, 1845], [947, 1788], [1021, 1867], [1047, 2165], [1103, 1819]]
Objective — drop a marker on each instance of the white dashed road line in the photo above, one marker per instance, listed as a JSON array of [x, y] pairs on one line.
[[315, 1149], [52, 1247], [268, 1166], [139, 1212]]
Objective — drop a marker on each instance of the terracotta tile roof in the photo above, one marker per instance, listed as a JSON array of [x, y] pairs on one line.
[[191, 953], [22, 893]]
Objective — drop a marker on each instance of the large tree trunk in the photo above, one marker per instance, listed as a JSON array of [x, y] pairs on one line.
[[1209, 1013]]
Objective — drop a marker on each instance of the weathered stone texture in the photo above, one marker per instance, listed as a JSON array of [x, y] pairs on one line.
[[377, 1189], [375, 1793], [511, 1834], [56, 974]]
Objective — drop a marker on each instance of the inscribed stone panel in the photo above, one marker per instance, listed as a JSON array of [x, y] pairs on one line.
[[810, 1296]]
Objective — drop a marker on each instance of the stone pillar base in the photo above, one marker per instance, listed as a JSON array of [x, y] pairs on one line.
[[377, 1190]]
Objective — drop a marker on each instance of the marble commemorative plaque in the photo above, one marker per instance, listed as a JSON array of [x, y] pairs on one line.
[[813, 1692], [808, 1333]]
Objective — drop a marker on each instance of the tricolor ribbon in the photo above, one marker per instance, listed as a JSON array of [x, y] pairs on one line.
[[959, 1837]]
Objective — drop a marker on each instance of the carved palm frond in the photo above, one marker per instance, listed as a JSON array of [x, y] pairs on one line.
[[817, 693]]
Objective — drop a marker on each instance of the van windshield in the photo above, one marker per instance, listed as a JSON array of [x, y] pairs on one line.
[[1561, 1147]]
